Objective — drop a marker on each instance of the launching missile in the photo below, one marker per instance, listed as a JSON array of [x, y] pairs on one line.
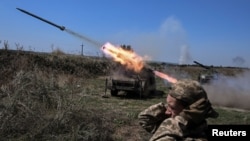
[[44, 20]]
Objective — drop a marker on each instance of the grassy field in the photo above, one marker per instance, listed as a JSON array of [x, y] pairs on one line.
[[61, 97]]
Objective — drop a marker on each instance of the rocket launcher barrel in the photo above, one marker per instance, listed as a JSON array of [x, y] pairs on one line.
[[44, 20], [206, 67]]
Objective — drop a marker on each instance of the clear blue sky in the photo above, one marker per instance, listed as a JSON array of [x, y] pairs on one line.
[[213, 32]]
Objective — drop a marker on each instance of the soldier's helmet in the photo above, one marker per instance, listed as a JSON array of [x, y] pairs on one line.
[[189, 91]]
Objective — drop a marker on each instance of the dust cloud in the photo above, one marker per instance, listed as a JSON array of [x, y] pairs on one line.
[[233, 92]]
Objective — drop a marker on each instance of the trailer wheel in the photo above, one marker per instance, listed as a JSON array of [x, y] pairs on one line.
[[148, 90], [145, 90], [114, 92]]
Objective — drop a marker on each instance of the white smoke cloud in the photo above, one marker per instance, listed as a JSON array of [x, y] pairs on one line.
[[172, 26], [185, 56], [231, 91], [163, 44]]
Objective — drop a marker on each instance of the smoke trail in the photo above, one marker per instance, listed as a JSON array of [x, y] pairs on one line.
[[185, 57], [97, 44], [231, 91]]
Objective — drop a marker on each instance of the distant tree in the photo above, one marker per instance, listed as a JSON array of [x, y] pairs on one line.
[[6, 45]]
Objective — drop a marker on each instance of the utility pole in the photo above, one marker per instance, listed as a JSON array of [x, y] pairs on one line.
[[82, 48]]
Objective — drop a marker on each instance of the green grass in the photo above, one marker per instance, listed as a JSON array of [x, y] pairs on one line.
[[231, 117]]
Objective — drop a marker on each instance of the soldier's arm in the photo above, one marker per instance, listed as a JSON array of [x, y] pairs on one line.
[[173, 129], [170, 129], [151, 118]]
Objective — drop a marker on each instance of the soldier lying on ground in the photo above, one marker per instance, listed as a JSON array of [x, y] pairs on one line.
[[184, 115]]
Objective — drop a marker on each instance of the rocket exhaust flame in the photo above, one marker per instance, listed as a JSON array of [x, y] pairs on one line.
[[131, 60], [127, 58], [165, 76]]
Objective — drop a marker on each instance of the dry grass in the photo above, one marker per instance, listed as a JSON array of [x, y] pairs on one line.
[[36, 107]]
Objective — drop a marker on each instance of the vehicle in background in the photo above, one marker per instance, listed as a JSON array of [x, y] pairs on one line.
[[207, 75], [129, 81]]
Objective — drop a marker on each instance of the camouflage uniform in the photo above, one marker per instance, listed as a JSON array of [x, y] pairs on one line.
[[190, 124]]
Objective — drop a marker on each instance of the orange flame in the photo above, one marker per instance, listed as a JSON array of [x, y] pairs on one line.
[[131, 60], [127, 58], [165, 76]]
